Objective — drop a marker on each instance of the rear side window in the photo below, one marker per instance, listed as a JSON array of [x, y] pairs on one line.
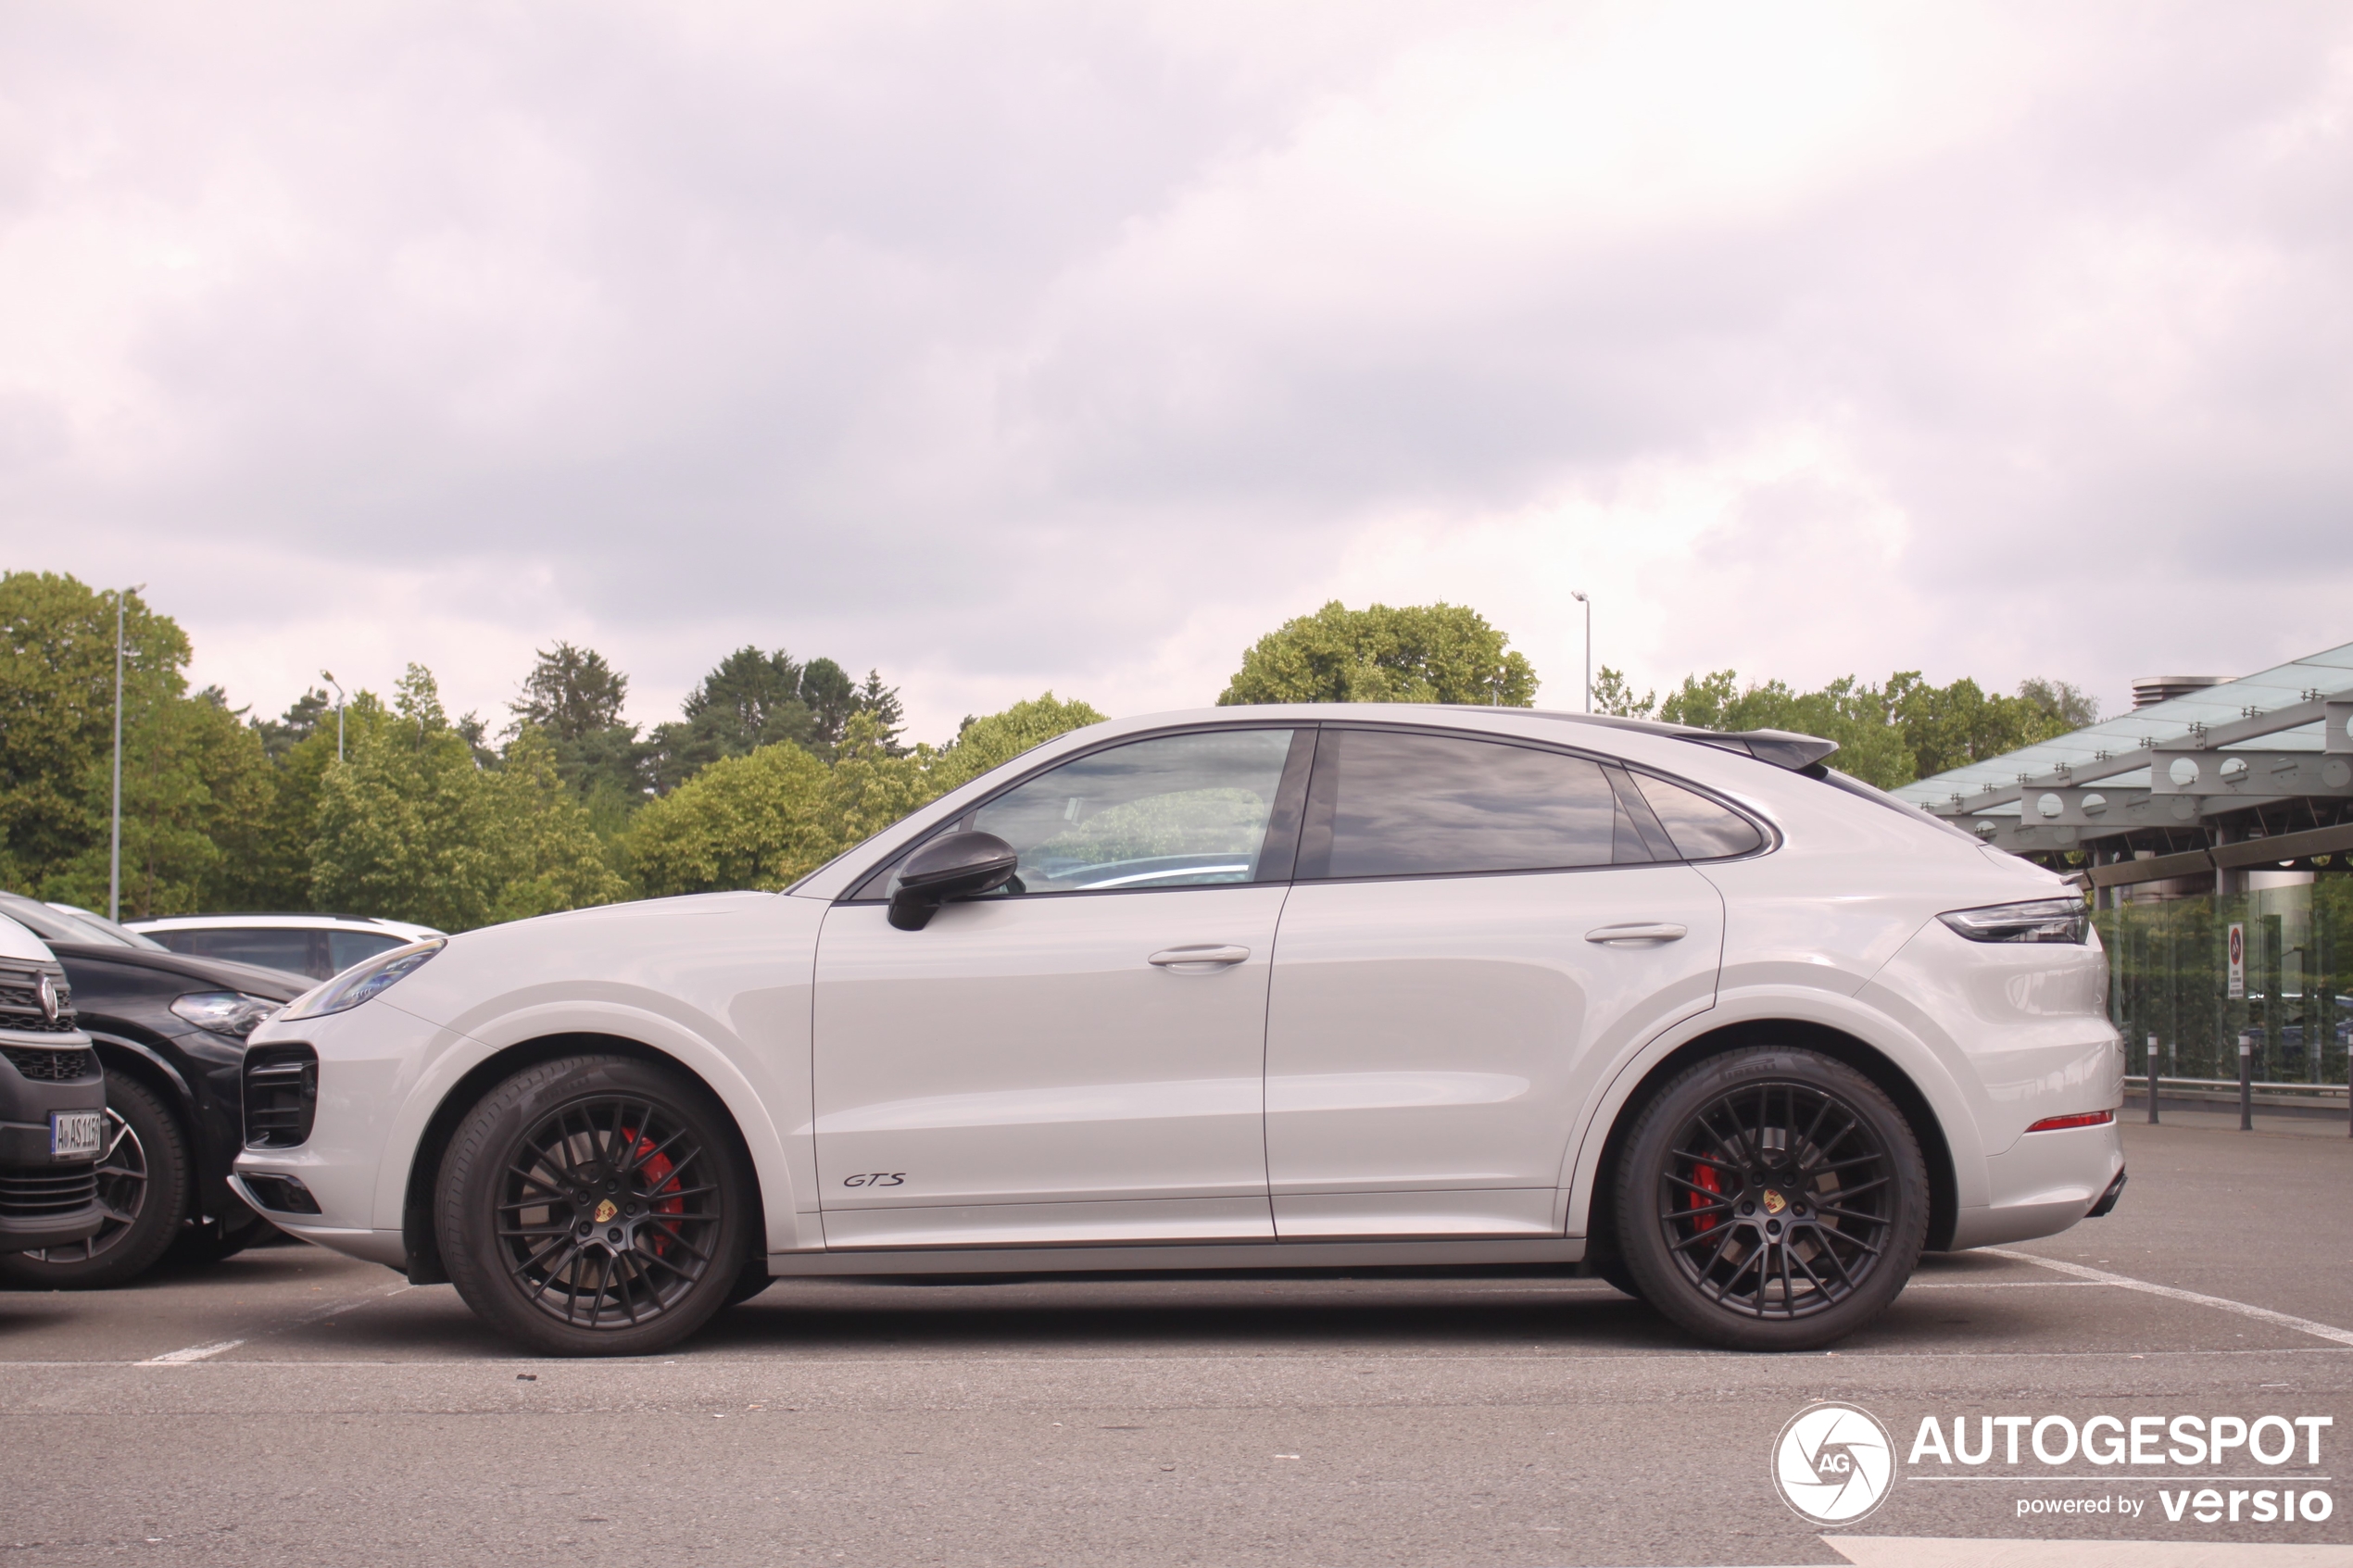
[[1701, 830], [1388, 804], [347, 947], [297, 952]]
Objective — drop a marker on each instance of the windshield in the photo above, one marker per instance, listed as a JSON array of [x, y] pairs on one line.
[[57, 925]]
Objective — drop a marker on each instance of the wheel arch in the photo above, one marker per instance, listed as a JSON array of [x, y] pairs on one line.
[[425, 1263], [1598, 1191]]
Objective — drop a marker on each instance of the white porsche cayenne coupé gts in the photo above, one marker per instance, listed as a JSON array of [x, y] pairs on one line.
[[1266, 987]]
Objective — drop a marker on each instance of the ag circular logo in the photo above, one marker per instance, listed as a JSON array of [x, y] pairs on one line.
[[1834, 1464]]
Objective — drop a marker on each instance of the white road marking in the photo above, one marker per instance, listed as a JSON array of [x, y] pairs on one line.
[[194, 1353], [2126, 1282]]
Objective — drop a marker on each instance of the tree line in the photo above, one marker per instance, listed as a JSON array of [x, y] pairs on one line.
[[773, 767]]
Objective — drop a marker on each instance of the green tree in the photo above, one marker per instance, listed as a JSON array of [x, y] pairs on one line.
[[1613, 695], [300, 721], [1417, 653], [765, 819], [758, 821], [194, 778], [573, 697], [412, 828], [1887, 736]]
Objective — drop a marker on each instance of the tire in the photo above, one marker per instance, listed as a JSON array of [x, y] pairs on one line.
[[594, 1206], [143, 1182], [750, 1283], [1610, 1268], [200, 1246], [1771, 1200]]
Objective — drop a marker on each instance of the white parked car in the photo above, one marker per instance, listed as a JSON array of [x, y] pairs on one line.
[[316, 946], [1284, 986]]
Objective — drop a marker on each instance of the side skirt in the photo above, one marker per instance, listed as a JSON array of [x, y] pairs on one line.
[[1178, 1257]]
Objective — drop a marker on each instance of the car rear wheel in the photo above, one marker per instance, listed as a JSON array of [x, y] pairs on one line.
[[143, 1187], [594, 1206], [1771, 1200]]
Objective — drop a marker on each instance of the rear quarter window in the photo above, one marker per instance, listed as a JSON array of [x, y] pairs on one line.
[[1702, 829]]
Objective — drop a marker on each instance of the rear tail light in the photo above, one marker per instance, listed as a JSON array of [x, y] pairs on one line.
[[2081, 1119], [2040, 920]]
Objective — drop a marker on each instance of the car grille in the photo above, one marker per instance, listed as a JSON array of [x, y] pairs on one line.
[[282, 1096], [21, 1000], [50, 1067], [45, 1192]]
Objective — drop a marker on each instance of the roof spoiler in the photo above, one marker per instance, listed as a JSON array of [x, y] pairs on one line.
[[1782, 749]]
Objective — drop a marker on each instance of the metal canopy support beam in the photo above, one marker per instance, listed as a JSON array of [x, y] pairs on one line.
[[2177, 771], [2228, 857], [2294, 715]]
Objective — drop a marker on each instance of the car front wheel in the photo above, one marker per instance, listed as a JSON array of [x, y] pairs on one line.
[[1771, 1200], [594, 1206]]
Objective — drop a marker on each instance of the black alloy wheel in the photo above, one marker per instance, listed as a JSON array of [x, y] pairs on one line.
[[594, 1206], [142, 1187], [1771, 1200]]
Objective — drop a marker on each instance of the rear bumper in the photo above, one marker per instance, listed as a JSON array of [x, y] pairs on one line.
[[2044, 1184]]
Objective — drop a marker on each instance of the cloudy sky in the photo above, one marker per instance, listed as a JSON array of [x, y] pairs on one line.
[[1008, 347]]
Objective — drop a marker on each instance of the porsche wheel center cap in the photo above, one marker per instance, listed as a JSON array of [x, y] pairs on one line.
[[1774, 1202], [606, 1210]]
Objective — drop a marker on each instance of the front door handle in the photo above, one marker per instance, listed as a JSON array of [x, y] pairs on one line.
[[1204, 957], [1660, 930]]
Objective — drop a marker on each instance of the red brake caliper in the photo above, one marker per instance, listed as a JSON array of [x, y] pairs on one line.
[[1704, 1175], [657, 1169]]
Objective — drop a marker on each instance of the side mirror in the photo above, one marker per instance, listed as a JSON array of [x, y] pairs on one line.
[[957, 866]]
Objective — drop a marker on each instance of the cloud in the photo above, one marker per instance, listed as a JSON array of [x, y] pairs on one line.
[[1003, 347]]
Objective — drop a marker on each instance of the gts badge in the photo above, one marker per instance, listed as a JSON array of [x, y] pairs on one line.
[[876, 1179]]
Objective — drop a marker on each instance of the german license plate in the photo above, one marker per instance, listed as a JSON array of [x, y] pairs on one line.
[[75, 1135]]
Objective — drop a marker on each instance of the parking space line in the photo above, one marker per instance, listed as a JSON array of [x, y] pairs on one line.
[[195, 1353], [192, 1353], [2126, 1282]]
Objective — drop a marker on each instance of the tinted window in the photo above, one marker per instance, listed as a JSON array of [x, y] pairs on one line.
[[1173, 812], [1701, 830], [271, 948], [347, 947], [1404, 804]]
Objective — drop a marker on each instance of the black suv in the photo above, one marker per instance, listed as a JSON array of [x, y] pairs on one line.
[[169, 1030], [52, 1105]]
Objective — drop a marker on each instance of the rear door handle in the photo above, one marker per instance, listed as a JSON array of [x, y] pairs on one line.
[[1661, 930], [1206, 957]]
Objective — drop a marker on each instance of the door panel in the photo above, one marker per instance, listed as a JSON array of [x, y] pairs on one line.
[[1026, 1052], [1440, 1034]]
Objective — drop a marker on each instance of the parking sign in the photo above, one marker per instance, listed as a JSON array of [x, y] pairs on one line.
[[2238, 961]]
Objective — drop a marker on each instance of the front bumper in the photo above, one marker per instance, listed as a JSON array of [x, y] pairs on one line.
[[46, 1202]]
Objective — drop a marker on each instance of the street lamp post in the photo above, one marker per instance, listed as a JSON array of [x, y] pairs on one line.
[[1580, 598], [114, 842], [330, 681]]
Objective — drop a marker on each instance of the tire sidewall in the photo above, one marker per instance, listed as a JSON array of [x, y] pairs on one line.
[[467, 1194], [1643, 1248]]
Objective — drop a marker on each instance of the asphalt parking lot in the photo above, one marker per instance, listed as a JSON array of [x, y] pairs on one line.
[[292, 1407]]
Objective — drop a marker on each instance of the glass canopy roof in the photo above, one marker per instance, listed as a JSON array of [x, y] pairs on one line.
[[2160, 723]]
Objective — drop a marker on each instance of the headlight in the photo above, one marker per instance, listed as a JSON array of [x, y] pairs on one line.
[[224, 1012], [2043, 920], [364, 982]]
